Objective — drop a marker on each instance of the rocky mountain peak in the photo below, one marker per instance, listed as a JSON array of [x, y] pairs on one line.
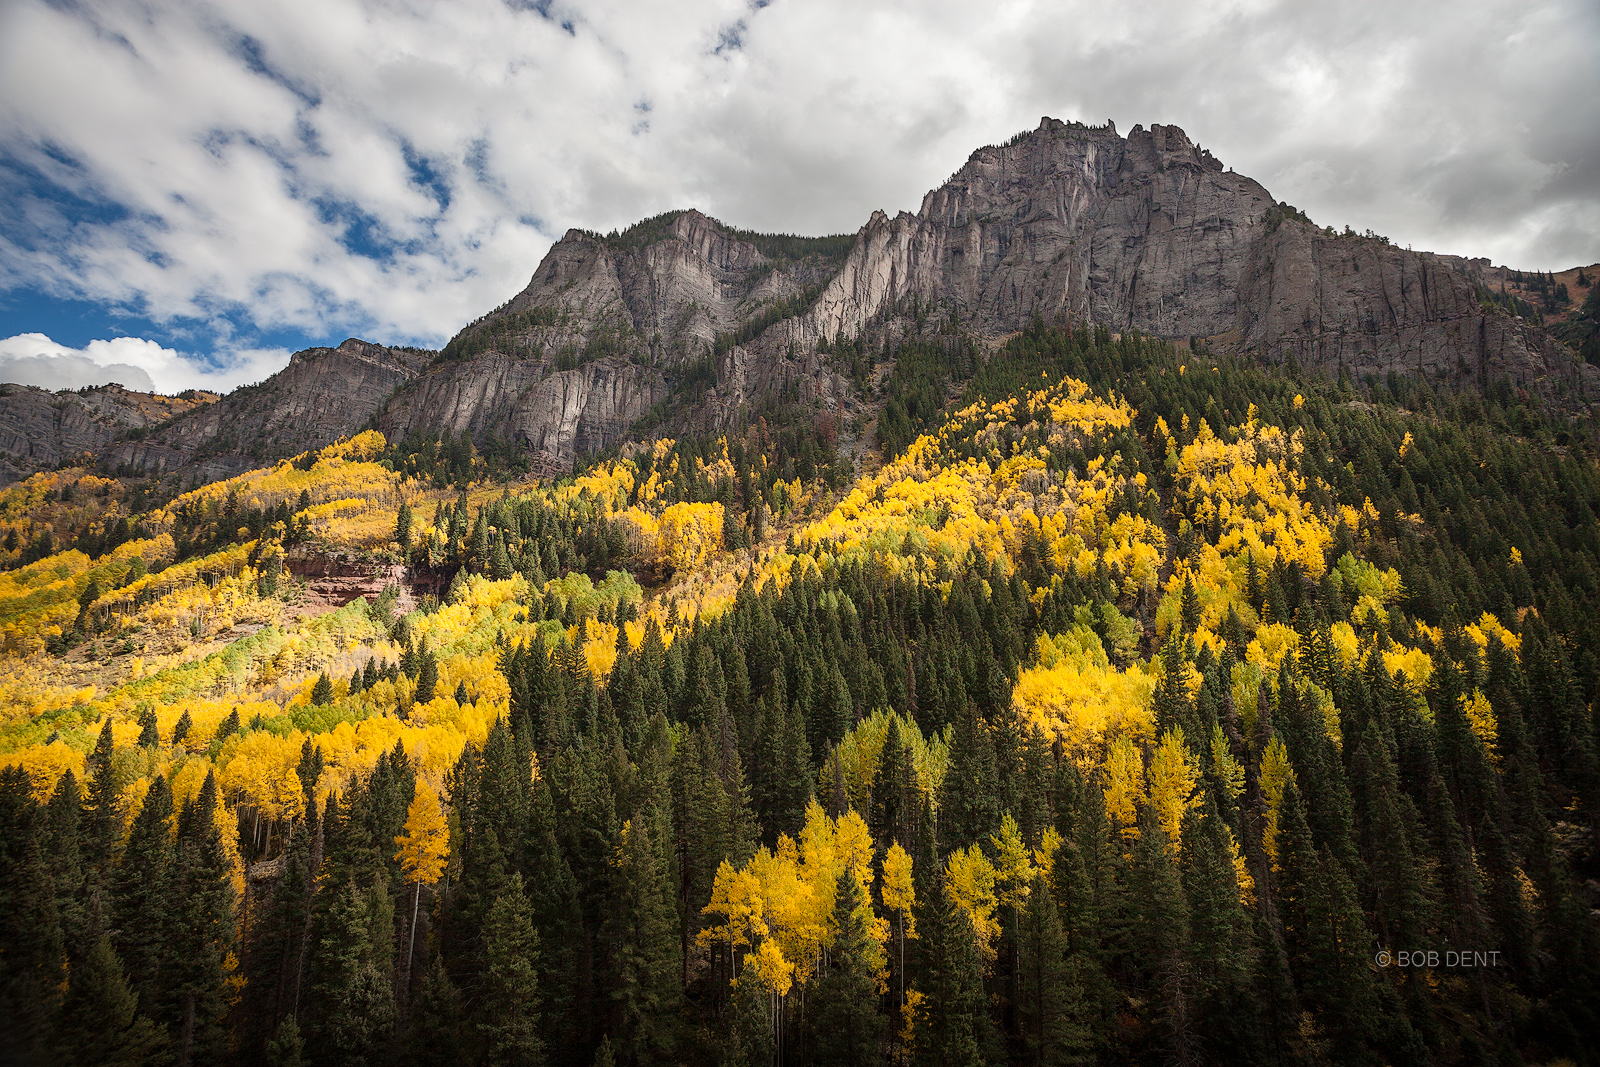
[[689, 318]]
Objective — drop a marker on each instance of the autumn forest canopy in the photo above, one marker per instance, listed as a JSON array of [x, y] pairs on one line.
[[1119, 704]]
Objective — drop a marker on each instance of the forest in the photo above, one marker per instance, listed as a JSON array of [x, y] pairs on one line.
[[1129, 704]]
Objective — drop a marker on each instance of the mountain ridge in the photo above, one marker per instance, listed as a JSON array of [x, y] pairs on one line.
[[686, 322]]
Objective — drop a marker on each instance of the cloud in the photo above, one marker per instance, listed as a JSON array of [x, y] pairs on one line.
[[392, 169], [34, 359]]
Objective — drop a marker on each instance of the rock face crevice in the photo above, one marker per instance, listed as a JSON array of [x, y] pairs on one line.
[[689, 321]]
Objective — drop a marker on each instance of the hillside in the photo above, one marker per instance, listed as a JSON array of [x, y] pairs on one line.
[[1126, 702]]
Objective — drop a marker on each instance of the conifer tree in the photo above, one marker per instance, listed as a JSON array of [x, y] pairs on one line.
[[141, 894], [402, 527], [509, 1009], [33, 947], [846, 1026], [286, 1049], [101, 817], [647, 985], [951, 983], [99, 1019], [434, 1035], [427, 676], [1048, 1002], [322, 690], [201, 944], [353, 981], [149, 732], [970, 809], [62, 847]]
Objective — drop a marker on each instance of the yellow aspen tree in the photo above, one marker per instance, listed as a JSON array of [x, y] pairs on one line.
[[899, 895], [970, 878], [1276, 774], [1013, 864], [736, 896], [1229, 772], [424, 846], [1124, 787], [1173, 775]]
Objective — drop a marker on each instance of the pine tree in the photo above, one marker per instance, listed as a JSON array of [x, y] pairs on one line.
[[953, 1014], [62, 848], [434, 1022], [149, 732], [970, 809], [646, 986], [1047, 1000], [202, 934], [102, 818], [32, 946], [427, 677], [322, 691], [843, 1009], [353, 976], [286, 1049], [1189, 608], [509, 1007], [402, 527], [140, 896], [99, 1019]]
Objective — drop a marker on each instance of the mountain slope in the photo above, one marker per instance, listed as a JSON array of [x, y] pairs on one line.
[[322, 395], [684, 323], [40, 429]]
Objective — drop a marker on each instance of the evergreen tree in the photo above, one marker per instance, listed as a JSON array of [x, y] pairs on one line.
[[352, 981], [322, 691], [843, 1011], [402, 527], [647, 984], [286, 1049], [427, 677], [141, 894], [1048, 1001], [201, 943], [953, 1015], [102, 818], [970, 809], [149, 732], [434, 1035], [509, 1008], [99, 1019]]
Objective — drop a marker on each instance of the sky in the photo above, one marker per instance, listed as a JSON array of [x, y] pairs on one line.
[[191, 191]]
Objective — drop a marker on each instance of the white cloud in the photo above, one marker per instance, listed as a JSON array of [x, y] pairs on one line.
[[34, 359], [244, 143]]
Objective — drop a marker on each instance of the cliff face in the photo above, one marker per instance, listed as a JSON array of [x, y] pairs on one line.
[[607, 328], [1066, 223], [688, 320], [322, 395], [553, 414], [40, 429], [1150, 232]]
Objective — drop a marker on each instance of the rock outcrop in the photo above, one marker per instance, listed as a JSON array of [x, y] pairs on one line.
[[1150, 232], [40, 429], [687, 321], [322, 395], [610, 327]]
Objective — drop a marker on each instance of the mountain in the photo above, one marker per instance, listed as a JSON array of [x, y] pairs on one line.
[[322, 395], [1066, 223], [40, 429], [685, 322], [1131, 706]]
